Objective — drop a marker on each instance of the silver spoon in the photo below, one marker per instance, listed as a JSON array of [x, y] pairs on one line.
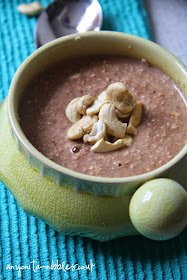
[[64, 17]]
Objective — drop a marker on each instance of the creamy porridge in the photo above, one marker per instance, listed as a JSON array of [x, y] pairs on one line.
[[161, 134]]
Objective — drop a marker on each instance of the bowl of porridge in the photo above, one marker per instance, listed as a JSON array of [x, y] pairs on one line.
[[98, 136]]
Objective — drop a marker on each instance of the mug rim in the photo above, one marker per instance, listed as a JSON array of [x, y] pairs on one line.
[[13, 115]]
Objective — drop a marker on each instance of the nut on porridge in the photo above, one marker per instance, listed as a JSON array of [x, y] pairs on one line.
[[118, 104], [105, 116]]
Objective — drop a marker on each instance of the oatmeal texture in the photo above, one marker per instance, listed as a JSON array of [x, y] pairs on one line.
[[161, 134]]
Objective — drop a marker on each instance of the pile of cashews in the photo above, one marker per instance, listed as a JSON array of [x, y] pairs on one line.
[[95, 120]]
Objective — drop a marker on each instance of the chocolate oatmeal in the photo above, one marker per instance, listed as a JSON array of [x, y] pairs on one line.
[[161, 133]]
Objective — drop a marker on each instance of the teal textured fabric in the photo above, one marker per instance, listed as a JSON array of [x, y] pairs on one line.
[[30, 249]]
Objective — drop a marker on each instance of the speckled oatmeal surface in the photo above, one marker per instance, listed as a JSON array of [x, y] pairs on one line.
[[162, 132]]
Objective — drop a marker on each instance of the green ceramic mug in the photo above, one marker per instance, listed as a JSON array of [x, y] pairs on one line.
[[75, 203]]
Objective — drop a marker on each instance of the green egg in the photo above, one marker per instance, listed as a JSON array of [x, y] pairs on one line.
[[158, 209]]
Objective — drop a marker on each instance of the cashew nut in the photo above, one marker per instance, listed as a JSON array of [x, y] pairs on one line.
[[114, 126], [31, 9], [102, 146], [71, 111], [95, 108], [102, 96], [131, 129], [83, 103], [98, 132], [119, 95], [122, 115], [127, 140], [82, 127], [136, 114]]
